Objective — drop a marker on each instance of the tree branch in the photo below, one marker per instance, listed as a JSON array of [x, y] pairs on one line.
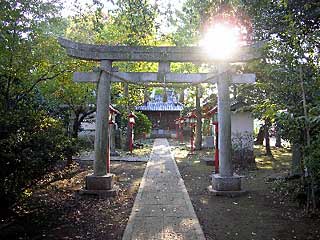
[[42, 78]]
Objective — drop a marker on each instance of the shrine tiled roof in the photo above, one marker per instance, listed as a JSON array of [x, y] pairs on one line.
[[160, 106], [157, 103], [235, 106]]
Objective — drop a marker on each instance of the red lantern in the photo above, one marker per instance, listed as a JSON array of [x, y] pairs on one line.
[[132, 119]]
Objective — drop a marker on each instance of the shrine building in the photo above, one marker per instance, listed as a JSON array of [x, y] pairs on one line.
[[162, 110]]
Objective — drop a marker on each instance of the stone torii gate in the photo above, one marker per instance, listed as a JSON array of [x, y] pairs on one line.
[[101, 182]]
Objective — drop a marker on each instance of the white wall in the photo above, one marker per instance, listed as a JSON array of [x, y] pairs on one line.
[[241, 122]]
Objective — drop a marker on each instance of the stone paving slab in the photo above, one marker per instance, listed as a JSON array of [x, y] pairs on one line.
[[181, 228], [163, 187], [162, 208], [160, 198], [146, 228]]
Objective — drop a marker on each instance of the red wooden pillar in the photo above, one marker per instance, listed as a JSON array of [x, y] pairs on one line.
[[216, 150]]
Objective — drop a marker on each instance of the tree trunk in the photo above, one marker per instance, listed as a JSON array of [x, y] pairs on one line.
[[75, 126], [77, 118], [73, 133], [267, 137], [278, 140], [296, 168], [260, 136], [278, 136], [198, 139]]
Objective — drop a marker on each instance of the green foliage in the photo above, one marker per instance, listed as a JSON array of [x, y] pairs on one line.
[[291, 128], [290, 72], [23, 59], [131, 23], [31, 140], [266, 110], [134, 22], [143, 124], [31, 144]]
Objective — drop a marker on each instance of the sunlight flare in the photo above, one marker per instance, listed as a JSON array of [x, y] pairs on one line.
[[221, 41]]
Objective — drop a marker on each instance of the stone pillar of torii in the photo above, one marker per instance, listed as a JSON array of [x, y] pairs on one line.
[[101, 182]]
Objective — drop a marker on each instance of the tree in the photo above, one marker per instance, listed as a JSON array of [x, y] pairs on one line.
[[24, 62], [75, 101], [31, 140], [292, 30]]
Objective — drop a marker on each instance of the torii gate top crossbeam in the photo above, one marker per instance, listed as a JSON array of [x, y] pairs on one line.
[[151, 53], [142, 78]]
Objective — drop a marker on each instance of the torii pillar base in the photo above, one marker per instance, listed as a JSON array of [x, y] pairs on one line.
[[100, 186], [226, 186]]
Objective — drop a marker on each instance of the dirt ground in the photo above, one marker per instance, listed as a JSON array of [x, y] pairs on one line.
[[53, 211], [266, 212]]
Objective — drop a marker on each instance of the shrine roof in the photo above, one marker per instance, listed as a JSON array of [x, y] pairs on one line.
[[160, 106], [157, 103], [235, 106]]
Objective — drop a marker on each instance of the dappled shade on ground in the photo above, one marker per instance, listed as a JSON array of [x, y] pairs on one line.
[[268, 211], [53, 212]]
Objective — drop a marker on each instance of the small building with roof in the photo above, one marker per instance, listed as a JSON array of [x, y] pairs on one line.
[[241, 118], [241, 132], [162, 110]]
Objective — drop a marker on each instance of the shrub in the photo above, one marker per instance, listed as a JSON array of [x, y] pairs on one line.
[[143, 124], [31, 144]]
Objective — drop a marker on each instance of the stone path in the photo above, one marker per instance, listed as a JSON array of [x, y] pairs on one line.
[[162, 209]]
